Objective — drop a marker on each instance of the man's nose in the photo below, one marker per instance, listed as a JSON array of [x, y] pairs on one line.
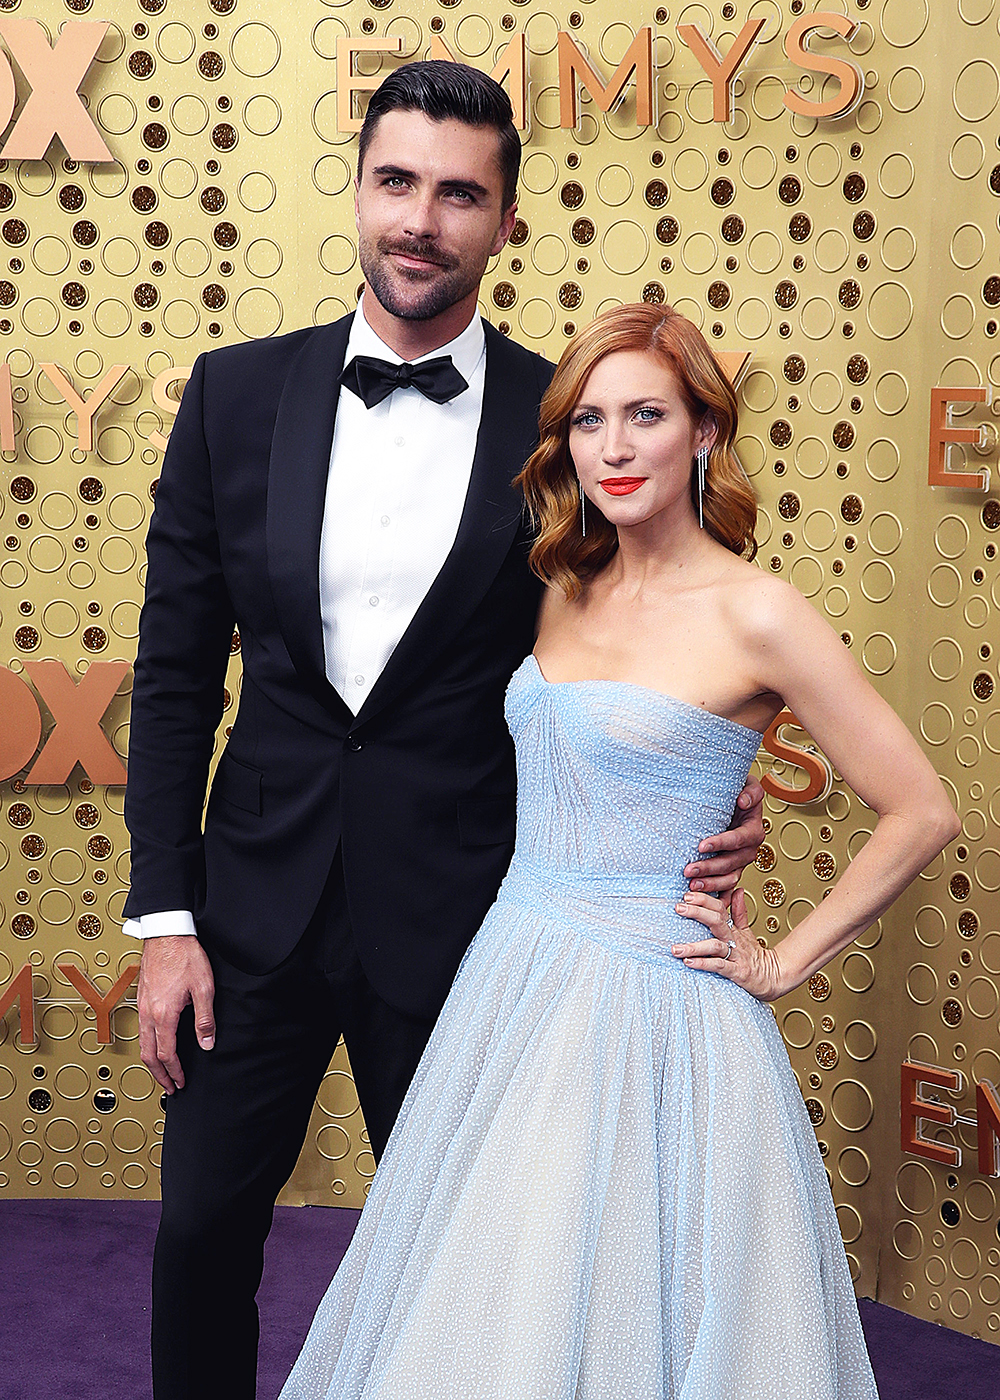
[[420, 220]]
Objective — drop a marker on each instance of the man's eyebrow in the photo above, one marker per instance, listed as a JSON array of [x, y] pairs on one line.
[[454, 182], [459, 182], [393, 170]]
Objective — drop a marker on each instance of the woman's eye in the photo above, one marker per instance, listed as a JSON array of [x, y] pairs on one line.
[[585, 420], [648, 415]]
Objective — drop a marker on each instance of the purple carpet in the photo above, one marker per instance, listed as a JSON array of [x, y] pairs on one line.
[[74, 1304], [74, 1295]]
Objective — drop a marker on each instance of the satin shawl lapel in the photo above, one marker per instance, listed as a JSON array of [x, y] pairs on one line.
[[296, 496], [508, 430]]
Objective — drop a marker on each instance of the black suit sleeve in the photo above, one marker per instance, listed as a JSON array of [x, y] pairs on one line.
[[184, 644]]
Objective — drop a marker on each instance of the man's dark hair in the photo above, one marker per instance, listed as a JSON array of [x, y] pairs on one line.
[[443, 90]]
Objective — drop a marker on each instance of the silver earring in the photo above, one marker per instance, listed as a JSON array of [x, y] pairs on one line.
[[701, 462], [583, 512]]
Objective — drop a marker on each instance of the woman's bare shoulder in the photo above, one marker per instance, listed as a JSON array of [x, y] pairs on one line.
[[761, 606]]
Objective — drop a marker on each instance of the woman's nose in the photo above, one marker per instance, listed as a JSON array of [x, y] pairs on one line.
[[617, 446]]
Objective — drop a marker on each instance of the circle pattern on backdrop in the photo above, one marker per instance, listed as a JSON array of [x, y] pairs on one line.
[[804, 242]]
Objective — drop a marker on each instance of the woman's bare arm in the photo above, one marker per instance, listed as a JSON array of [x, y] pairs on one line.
[[796, 655]]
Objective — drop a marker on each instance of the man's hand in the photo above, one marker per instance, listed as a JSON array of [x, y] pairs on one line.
[[174, 972], [731, 851]]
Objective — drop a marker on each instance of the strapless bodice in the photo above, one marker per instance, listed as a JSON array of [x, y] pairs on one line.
[[616, 786]]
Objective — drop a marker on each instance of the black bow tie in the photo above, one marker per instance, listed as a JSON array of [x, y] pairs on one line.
[[374, 380]]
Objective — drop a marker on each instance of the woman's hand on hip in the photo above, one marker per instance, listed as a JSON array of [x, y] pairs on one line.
[[732, 950]]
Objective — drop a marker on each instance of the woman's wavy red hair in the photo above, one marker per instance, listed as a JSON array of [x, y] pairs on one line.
[[561, 554]]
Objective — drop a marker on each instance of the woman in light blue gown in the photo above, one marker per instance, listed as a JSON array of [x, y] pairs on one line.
[[603, 1184]]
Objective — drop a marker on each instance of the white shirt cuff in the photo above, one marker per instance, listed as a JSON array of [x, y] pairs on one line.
[[169, 923]]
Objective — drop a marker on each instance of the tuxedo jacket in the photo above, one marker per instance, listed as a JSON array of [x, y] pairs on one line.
[[419, 786]]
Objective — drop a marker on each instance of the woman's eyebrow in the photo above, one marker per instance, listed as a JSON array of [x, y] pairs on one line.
[[632, 403]]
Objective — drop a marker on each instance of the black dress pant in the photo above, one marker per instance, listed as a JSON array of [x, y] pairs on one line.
[[234, 1132]]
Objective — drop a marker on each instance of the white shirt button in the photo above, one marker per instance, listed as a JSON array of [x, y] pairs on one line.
[[359, 680], [374, 601], [385, 521], [400, 441]]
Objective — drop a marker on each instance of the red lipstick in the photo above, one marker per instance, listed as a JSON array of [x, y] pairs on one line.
[[621, 485]]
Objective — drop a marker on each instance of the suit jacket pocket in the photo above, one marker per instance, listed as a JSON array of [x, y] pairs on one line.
[[234, 782], [486, 821]]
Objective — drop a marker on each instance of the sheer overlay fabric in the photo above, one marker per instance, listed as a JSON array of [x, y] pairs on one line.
[[603, 1182]]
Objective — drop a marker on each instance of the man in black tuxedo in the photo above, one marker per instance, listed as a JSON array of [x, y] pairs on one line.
[[359, 526]]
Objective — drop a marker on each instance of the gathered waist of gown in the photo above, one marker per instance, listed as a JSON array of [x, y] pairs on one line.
[[630, 913]]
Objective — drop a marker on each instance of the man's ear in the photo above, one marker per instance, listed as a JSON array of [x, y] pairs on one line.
[[357, 211], [505, 230]]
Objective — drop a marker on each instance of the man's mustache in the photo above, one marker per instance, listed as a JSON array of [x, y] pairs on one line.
[[427, 251]]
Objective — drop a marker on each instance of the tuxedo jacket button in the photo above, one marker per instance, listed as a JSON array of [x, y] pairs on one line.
[[354, 743]]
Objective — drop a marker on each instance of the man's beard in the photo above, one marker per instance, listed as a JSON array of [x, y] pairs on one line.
[[424, 302]]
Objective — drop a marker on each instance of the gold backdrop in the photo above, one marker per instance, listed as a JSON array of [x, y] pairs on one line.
[[854, 259]]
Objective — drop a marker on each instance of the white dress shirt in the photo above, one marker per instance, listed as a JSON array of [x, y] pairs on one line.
[[399, 474]]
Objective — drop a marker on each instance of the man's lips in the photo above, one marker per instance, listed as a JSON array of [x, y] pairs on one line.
[[621, 485], [410, 258]]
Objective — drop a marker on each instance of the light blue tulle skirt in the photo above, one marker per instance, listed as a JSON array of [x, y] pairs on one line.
[[603, 1186]]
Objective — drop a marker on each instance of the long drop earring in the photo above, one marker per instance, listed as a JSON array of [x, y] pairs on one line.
[[583, 512], [702, 467]]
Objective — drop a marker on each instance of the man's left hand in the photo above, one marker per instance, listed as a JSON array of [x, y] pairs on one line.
[[728, 854]]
